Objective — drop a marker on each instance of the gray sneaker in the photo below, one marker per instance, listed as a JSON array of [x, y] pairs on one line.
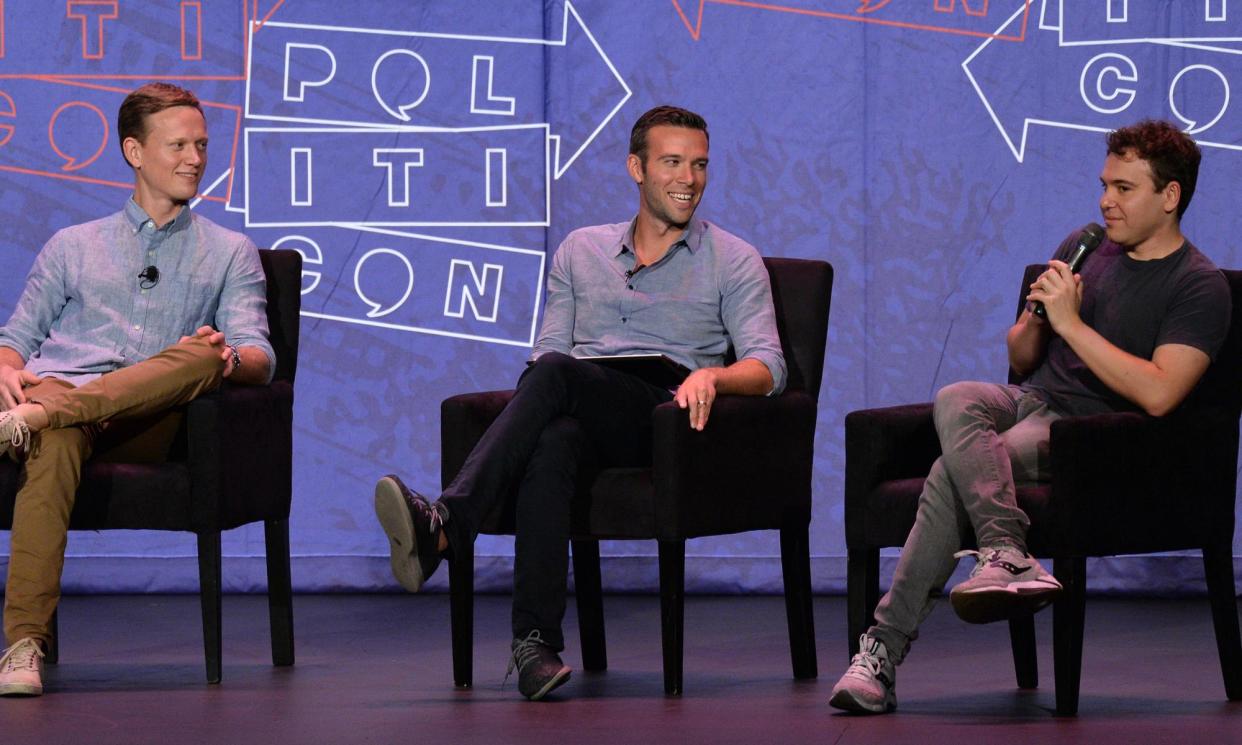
[[1004, 583], [539, 666], [413, 527], [869, 685], [21, 669]]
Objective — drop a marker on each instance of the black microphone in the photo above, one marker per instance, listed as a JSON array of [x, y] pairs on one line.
[[149, 275], [1088, 240]]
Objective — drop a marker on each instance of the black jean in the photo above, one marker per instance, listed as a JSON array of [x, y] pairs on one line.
[[566, 417]]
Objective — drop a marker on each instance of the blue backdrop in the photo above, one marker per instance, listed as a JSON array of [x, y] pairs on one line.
[[426, 156]]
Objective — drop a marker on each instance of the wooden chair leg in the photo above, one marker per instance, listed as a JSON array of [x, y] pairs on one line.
[[862, 583], [461, 612], [1218, 567], [799, 611], [588, 589], [1068, 618], [672, 610], [1022, 640], [52, 654], [279, 591], [209, 584]]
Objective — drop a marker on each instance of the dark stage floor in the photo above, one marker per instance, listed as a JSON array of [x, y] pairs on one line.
[[376, 669]]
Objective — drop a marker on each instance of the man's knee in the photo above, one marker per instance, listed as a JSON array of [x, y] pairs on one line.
[[550, 368], [957, 399]]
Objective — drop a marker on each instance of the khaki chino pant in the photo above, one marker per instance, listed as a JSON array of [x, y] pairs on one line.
[[121, 416]]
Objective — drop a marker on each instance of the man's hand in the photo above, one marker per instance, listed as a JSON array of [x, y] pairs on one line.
[[12, 381], [696, 393], [1060, 290], [216, 340]]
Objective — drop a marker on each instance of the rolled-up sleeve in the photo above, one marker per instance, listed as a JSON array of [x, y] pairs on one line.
[[557, 332], [40, 303], [749, 317], [242, 312]]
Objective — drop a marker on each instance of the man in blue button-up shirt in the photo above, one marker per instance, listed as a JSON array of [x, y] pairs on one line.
[[663, 283], [121, 319]]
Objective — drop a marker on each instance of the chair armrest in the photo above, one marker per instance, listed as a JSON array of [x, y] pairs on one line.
[[749, 468], [239, 442], [463, 420], [1126, 482], [885, 444]]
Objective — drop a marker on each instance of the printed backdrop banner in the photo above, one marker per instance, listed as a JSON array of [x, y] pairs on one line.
[[426, 157]]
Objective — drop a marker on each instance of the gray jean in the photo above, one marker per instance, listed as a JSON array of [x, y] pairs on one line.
[[992, 437]]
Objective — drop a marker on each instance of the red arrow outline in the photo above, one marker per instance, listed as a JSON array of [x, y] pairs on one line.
[[696, 28]]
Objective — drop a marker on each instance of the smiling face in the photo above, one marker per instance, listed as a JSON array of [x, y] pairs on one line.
[[672, 178], [169, 161], [1136, 214]]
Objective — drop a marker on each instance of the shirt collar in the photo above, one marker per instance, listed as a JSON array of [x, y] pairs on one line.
[[138, 218], [691, 237]]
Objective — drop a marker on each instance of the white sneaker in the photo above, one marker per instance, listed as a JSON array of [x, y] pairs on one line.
[[14, 434], [1004, 583], [870, 684], [21, 669]]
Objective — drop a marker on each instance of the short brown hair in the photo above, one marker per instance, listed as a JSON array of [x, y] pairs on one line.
[[152, 98], [662, 116], [1170, 152]]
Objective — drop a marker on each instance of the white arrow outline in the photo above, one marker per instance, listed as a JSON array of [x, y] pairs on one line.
[[560, 167], [1019, 149], [534, 315]]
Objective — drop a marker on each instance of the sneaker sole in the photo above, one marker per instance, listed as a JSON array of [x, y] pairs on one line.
[[394, 518], [845, 700], [992, 604], [18, 689], [555, 682]]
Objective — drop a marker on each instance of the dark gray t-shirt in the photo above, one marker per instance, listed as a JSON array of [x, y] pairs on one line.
[[1137, 306]]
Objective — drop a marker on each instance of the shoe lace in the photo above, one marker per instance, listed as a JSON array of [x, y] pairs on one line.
[[864, 664], [21, 656], [524, 653], [21, 432]]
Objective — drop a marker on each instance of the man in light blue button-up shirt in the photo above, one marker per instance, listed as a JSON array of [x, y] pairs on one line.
[[663, 283], [122, 318]]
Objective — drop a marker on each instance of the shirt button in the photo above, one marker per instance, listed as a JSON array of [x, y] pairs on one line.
[[631, 286], [623, 320]]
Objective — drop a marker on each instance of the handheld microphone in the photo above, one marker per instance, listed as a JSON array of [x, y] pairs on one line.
[[1090, 238]]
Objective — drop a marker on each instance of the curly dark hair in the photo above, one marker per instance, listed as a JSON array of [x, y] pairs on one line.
[[662, 116], [1170, 152], [152, 98]]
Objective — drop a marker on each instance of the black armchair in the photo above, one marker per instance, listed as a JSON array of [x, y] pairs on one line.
[[749, 470], [236, 467], [1121, 483]]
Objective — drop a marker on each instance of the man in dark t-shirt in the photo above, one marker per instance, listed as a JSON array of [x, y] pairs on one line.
[[1134, 331]]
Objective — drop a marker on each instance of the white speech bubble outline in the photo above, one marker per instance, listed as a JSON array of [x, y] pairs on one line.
[[306, 258], [304, 84], [400, 110], [1190, 124], [1131, 77], [375, 311]]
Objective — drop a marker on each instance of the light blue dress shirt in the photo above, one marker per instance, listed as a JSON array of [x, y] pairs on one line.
[[85, 312], [710, 293]]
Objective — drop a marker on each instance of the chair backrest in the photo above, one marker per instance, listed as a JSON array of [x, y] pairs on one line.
[[802, 296], [1221, 385], [283, 268]]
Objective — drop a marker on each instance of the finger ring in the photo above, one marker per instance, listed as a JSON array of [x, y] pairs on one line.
[[702, 403]]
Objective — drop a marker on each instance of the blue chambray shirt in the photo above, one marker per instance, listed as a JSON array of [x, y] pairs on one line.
[[710, 293], [83, 312]]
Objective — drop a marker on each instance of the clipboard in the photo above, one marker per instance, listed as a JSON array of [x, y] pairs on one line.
[[657, 369]]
